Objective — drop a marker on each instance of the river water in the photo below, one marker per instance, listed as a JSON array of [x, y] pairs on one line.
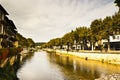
[[51, 66]]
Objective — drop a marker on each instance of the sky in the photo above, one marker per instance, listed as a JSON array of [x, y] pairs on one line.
[[43, 20]]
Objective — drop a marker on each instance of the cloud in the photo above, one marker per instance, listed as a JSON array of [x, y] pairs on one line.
[[43, 20]]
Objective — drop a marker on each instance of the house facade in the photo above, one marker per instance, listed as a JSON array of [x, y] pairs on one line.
[[115, 42], [7, 30]]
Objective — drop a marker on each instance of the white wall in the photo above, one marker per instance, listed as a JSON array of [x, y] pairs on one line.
[[115, 38]]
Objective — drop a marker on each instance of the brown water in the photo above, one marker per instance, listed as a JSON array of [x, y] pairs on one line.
[[51, 66]]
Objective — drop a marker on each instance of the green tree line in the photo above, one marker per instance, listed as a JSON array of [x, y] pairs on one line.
[[24, 42], [98, 30]]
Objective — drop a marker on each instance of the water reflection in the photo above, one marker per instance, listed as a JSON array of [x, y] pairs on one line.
[[10, 65], [39, 68], [75, 68], [51, 66]]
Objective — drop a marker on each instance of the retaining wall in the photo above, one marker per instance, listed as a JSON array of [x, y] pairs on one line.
[[108, 57]]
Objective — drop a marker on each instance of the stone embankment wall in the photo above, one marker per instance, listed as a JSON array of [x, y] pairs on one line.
[[103, 57]]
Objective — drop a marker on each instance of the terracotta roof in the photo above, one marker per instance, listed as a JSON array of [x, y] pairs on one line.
[[4, 11]]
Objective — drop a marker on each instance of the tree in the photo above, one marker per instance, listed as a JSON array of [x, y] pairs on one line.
[[96, 29], [108, 30], [117, 2], [83, 36], [68, 39], [30, 42], [76, 38], [23, 41], [116, 23]]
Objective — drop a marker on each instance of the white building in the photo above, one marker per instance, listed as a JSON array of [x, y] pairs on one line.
[[115, 38], [115, 42]]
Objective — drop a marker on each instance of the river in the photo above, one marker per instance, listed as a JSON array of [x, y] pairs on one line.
[[50, 66]]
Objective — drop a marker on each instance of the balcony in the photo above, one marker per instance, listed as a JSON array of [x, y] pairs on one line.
[[3, 36]]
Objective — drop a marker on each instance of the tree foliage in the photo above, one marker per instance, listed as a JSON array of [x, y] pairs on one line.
[[117, 2], [81, 34], [24, 42]]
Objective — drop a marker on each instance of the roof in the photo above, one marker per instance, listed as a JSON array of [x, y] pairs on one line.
[[4, 11], [12, 24]]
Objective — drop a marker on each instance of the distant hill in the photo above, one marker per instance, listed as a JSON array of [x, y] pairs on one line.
[[40, 43]]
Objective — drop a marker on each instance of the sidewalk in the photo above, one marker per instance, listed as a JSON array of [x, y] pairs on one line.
[[103, 51], [112, 57]]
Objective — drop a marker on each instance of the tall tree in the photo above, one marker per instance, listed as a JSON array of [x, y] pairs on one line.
[[68, 39], [107, 24], [117, 2], [116, 23], [30, 42], [23, 41], [96, 28], [76, 38], [84, 36]]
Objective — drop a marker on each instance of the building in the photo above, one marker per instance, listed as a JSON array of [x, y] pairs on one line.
[[7, 30], [115, 42]]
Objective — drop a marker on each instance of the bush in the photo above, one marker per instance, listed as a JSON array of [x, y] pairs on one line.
[[15, 50], [4, 53]]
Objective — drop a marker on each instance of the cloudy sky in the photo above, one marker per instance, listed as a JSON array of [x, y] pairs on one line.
[[43, 20]]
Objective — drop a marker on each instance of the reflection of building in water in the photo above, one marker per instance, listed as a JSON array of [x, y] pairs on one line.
[[7, 30]]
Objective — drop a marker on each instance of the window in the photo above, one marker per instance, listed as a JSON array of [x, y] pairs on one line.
[[118, 37], [113, 37]]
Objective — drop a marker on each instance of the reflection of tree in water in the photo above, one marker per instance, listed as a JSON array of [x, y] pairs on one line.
[[72, 68], [28, 57], [9, 72]]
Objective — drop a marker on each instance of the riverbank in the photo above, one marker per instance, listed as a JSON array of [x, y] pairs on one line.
[[111, 57]]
